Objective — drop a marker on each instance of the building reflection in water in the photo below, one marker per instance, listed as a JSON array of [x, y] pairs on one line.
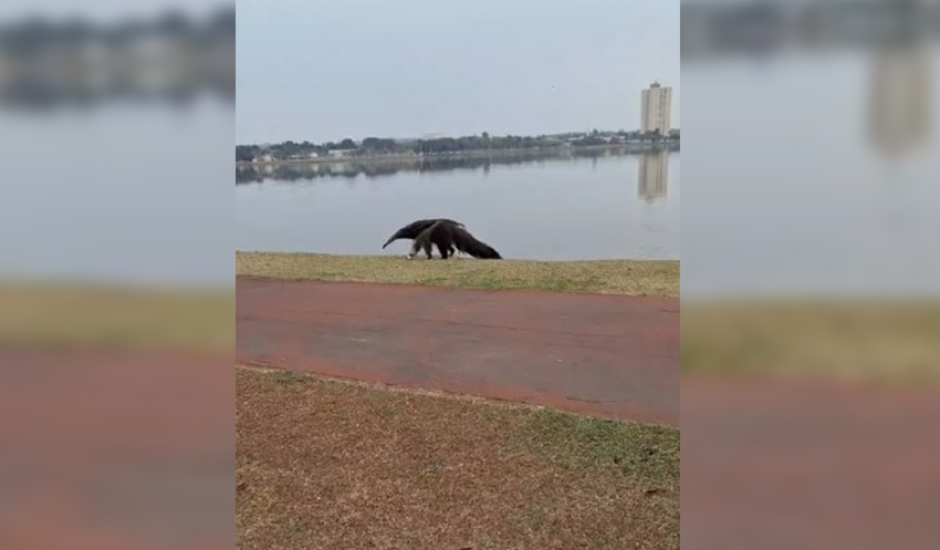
[[901, 98], [653, 179]]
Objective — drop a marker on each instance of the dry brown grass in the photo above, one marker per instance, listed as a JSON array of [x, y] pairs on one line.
[[853, 341], [637, 278], [324, 464], [100, 316]]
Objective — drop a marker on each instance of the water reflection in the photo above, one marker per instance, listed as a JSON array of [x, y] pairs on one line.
[[900, 102], [653, 178], [376, 168]]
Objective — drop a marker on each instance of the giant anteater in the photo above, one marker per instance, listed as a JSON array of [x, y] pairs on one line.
[[448, 235]]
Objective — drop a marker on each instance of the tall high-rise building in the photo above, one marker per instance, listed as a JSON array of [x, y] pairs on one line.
[[656, 109]]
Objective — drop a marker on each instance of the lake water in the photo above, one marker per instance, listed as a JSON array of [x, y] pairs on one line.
[[775, 209], [608, 206]]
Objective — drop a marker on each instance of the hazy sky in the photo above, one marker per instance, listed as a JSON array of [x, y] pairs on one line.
[[323, 70]]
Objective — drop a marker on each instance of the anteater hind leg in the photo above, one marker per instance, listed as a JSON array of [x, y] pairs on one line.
[[444, 250]]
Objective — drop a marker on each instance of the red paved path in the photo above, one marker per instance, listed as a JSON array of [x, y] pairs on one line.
[[116, 450], [611, 356]]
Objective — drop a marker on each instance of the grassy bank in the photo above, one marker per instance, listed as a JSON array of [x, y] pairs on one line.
[[871, 341], [637, 278], [99, 316], [324, 464]]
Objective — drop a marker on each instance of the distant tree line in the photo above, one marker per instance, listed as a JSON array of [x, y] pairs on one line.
[[374, 146]]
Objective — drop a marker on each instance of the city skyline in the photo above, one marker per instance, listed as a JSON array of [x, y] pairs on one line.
[[405, 139], [438, 135]]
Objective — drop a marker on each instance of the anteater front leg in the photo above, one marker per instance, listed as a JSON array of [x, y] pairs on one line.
[[415, 246]]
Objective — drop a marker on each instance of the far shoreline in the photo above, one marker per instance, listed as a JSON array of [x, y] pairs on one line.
[[633, 148]]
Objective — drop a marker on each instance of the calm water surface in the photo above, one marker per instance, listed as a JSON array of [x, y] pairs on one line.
[[787, 212], [606, 207]]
